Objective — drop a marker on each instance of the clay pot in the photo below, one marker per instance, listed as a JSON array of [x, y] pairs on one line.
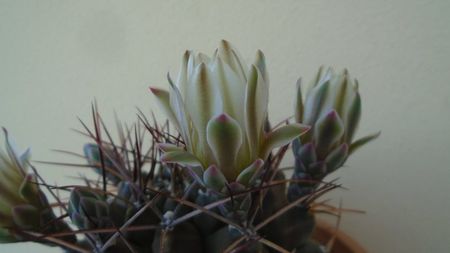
[[343, 243]]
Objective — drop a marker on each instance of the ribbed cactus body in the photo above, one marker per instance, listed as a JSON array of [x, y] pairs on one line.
[[110, 161], [205, 223], [91, 209], [220, 240], [182, 238]]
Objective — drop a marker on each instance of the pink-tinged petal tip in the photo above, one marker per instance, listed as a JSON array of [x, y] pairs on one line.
[[223, 118], [333, 115], [259, 162], [164, 147], [154, 90]]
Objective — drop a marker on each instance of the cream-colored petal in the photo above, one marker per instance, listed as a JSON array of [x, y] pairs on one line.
[[281, 136], [203, 102], [260, 63], [224, 137], [181, 157], [232, 90], [231, 57], [256, 101], [182, 80], [178, 107], [163, 99]]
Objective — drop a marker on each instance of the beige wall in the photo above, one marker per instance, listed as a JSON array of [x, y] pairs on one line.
[[57, 56]]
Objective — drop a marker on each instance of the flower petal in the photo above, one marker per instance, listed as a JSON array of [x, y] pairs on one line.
[[178, 107], [29, 190], [336, 157], [256, 100], [202, 103], [168, 147], [327, 131], [281, 136], [307, 154], [353, 117], [13, 153], [248, 174], [182, 81], [314, 103], [260, 63], [299, 102], [224, 137], [180, 157], [232, 90], [163, 99], [214, 178], [26, 216], [361, 142], [341, 96], [232, 58]]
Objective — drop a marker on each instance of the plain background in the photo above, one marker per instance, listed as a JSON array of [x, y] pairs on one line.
[[57, 56]]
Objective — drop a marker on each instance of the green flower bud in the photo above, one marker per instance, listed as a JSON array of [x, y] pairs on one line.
[[23, 206]]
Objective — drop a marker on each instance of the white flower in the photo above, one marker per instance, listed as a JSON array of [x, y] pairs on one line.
[[219, 106]]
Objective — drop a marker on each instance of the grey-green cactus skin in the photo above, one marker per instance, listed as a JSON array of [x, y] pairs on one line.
[[183, 237], [204, 222], [110, 159], [89, 209], [224, 237], [292, 228], [289, 231]]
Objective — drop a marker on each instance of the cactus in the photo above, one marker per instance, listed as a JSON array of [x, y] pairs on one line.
[[110, 158], [214, 185]]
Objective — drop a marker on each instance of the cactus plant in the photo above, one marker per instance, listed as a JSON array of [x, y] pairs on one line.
[[213, 185]]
